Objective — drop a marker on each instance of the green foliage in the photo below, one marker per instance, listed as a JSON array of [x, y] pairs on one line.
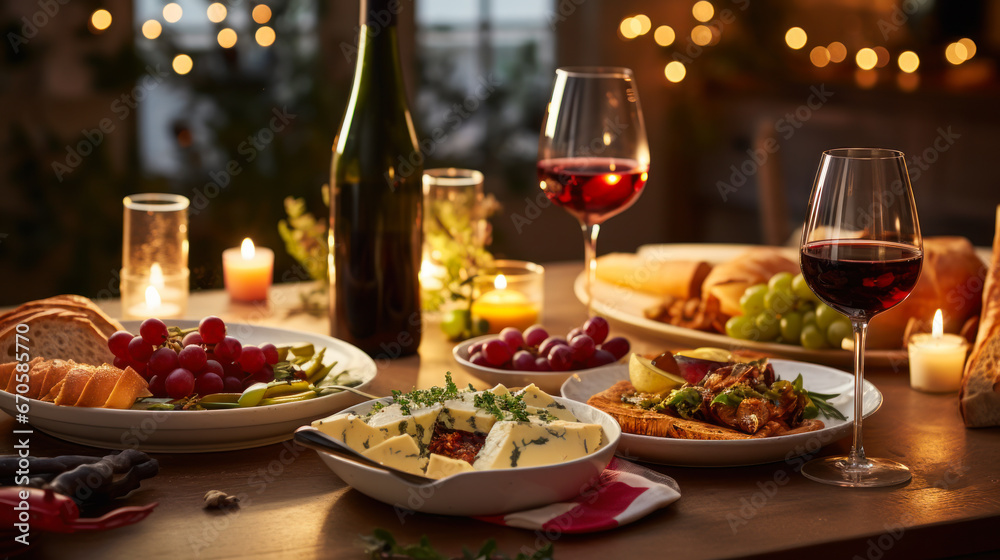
[[381, 545]]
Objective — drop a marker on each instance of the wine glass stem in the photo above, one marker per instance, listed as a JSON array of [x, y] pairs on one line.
[[590, 232], [857, 457]]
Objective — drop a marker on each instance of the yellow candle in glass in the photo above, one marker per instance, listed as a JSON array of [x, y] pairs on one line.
[[937, 360], [247, 271], [503, 307]]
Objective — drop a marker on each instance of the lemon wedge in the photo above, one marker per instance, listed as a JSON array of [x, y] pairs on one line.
[[707, 353], [647, 378]]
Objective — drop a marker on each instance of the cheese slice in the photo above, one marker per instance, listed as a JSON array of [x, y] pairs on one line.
[[538, 400], [350, 429], [419, 423], [461, 414], [440, 466], [531, 444], [399, 452]]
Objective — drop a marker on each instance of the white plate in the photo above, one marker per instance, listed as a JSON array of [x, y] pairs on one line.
[[625, 305], [488, 492], [548, 381], [204, 430], [734, 453]]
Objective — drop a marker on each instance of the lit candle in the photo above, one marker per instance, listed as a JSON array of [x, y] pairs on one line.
[[504, 307], [154, 306], [937, 359], [247, 271]]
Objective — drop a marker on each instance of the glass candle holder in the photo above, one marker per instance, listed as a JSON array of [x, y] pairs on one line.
[[455, 230], [155, 276], [511, 295]]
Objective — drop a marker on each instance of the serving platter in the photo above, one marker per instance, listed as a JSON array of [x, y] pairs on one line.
[[625, 305], [196, 431], [735, 453], [487, 492]]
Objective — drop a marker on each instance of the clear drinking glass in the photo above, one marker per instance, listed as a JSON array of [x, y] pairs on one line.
[[861, 254], [154, 276], [593, 159]]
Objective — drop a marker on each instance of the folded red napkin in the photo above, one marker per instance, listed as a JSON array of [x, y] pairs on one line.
[[624, 493]]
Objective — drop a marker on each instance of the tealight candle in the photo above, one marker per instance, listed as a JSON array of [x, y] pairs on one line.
[[937, 359], [247, 271], [511, 298], [154, 306]]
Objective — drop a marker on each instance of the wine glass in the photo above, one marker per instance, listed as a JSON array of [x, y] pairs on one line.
[[861, 254], [593, 159]]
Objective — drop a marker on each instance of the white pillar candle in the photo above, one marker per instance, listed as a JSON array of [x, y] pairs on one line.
[[937, 360]]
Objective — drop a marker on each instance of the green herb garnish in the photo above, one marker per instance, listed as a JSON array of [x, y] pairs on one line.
[[381, 545], [501, 406]]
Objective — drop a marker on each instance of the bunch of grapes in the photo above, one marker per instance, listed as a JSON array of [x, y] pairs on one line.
[[534, 350], [786, 310], [203, 362]]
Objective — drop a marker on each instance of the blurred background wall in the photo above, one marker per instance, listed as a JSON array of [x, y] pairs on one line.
[[103, 98]]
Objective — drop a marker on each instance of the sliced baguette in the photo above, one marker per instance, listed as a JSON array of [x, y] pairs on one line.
[[74, 384], [102, 382], [58, 334], [129, 387], [979, 398]]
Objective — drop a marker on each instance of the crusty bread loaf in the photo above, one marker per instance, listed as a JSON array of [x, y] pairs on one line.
[[951, 279], [67, 302], [729, 280], [59, 334], [681, 279], [979, 399]]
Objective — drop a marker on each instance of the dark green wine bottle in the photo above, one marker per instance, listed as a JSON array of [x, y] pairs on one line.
[[376, 200]]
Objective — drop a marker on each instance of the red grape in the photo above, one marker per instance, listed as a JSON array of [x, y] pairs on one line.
[[192, 338], [192, 358], [179, 383], [600, 358], [208, 384], [542, 364], [121, 363], [156, 386], [163, 361], [617, 346], [573, 333], [597, 328], [212, 329], [560, 358], [252, 359], [535, 335], [475, 348], [139, 350], [496, 352], [212, 366], [270, 353], [233, 369], [263, 375], [153, 331], [139, 367], [582, 347], [523, 361], [232, 384], [479, 360], [548, 343], [118, 344], [513, 338], [228, 349]]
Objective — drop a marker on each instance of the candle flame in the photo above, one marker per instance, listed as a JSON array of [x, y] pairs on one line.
[[247, 249], [500, 283], [937, 328], [156, 275], [152, 298]]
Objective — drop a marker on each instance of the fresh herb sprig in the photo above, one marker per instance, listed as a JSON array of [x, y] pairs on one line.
[[419, 398], [381, 545], [503, 405]]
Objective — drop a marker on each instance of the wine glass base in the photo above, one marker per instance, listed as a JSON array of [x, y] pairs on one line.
[[873, 473]]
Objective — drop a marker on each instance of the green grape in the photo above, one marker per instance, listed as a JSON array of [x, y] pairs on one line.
[[741, 327], [803, 305], [801, 289], [454, 323], [768, 326], [809, 318], [825, 316], [781, 282], [752, 301], [791, 327], [812, 338], [837, 332], [778, 301]]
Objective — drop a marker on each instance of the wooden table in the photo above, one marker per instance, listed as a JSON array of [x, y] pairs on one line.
[[298, 508]]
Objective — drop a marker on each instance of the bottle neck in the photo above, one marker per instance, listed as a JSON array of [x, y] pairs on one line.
[[380, 13]]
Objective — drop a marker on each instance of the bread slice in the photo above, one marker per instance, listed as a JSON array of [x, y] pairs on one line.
[[51, 395], [102, 382], [979, 398], [57, 372], [129, 387], [57, 334], [74, 384], [37, 378]]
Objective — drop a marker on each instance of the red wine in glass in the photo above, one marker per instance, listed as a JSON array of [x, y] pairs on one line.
[[592, 189], [861, 278]]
